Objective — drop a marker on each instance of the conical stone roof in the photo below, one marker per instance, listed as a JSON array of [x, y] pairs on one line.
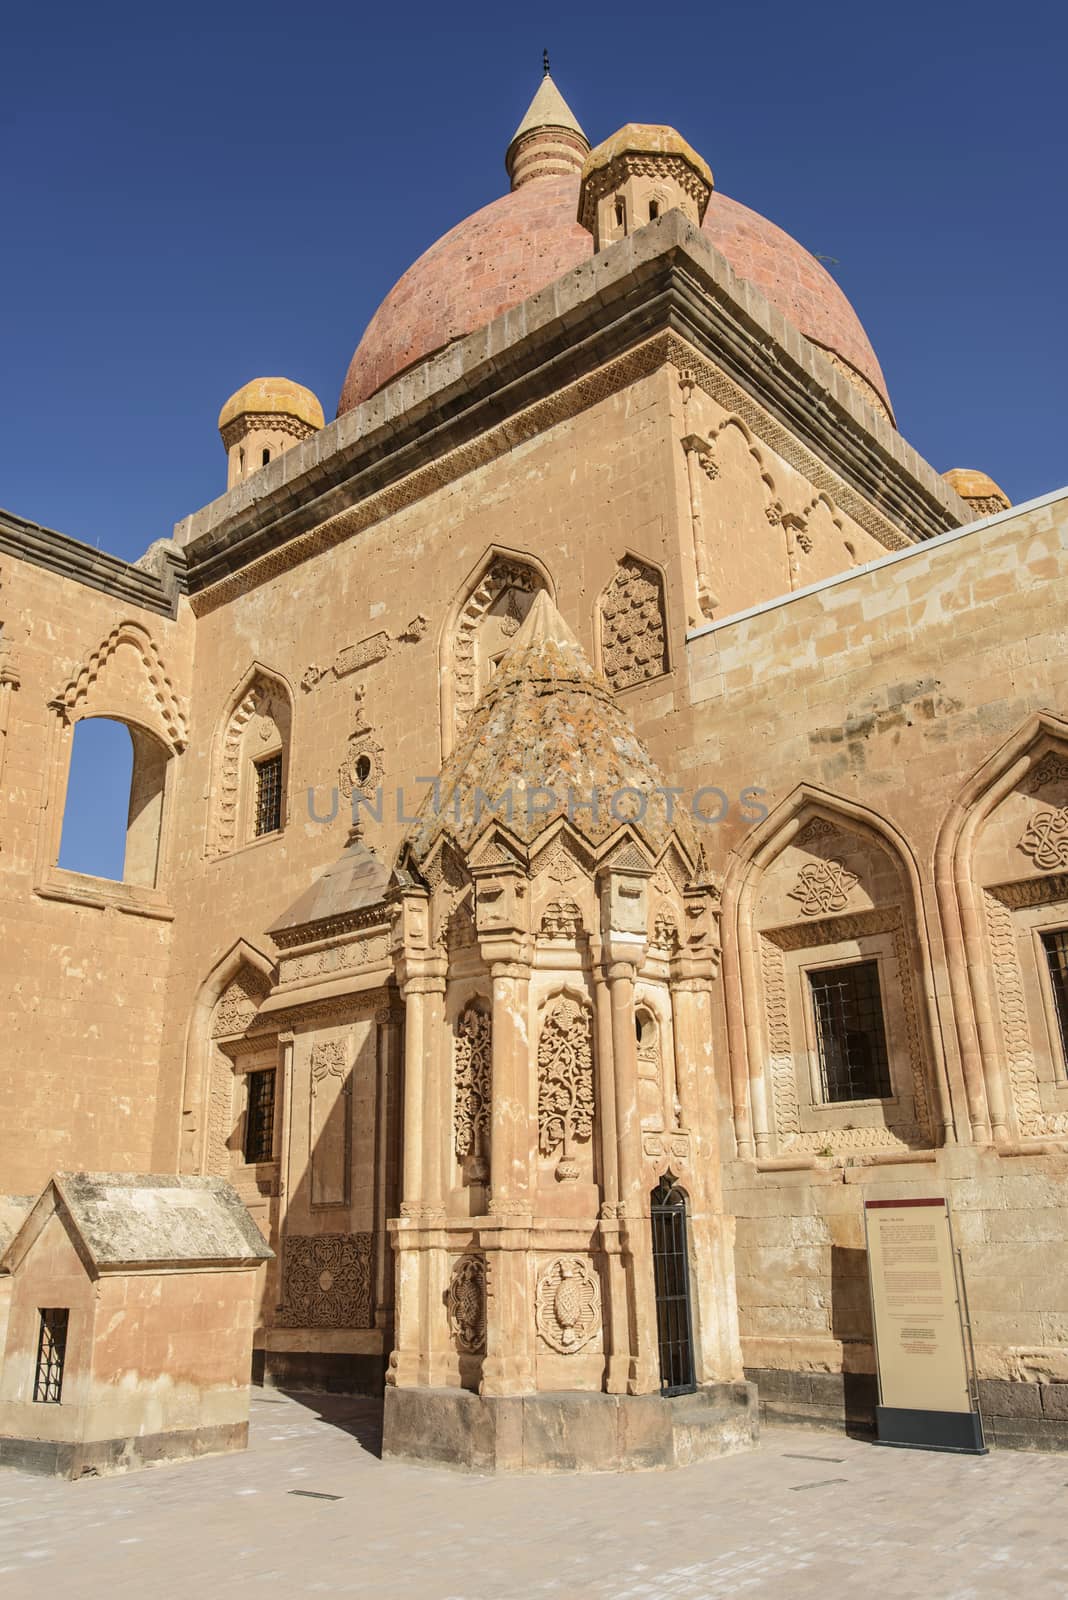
[[545, 738]]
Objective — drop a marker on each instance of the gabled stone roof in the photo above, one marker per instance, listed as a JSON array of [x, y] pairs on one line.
[[546, 725], [125, 1219], [356, 881]]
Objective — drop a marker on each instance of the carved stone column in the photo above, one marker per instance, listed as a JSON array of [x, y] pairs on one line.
[[501, 919], [624, 923], [421, 1327], [9, 682]]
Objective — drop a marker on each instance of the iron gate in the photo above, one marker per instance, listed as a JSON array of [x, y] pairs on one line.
[[671, 1269]]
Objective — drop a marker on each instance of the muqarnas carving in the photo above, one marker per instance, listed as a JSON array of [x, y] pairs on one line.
[[467, 1304], [327, 1281], [567, 1311], [472, 1078], [633, 631], [565, 1083]]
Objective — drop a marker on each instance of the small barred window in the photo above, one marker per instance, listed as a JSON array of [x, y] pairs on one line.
[[1056, 948], [850, 1032], [259, 1122], [269, 795], [51, 1354]]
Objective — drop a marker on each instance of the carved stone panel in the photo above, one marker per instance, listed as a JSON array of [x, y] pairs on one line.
[[472, 1073], [565, 1082], [467, 1304], [567, 1310], [1045, 839], [823, 887], [326, 1281], [330, 1124], [633, 626]]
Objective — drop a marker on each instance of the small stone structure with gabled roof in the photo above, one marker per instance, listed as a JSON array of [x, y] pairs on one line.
[[129, 1339]]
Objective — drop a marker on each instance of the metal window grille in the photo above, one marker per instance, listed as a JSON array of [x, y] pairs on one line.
[[671, 1272], [269, 795], [51, 1353], [259, 1122], [1056, 948], [850, 1032]]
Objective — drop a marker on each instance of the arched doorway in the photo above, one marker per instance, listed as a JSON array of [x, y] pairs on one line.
[[671, 1269]]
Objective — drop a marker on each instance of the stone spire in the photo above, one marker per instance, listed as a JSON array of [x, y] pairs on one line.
[[548, 143]]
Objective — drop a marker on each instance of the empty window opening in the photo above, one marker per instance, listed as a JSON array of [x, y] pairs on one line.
[[51, 1354], [621, 213], [850, 1032], [654, 210], [363, 769], [114, 806], [1056, 948], [259, 1121], [241, 460], [269, 794], [266, 457]]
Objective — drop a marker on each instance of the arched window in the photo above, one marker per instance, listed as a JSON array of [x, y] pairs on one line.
[[252, 764], [113, 813], [266, 457], [485, 620]]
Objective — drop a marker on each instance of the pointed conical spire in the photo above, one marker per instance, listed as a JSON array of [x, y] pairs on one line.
[[548, 739], [548, 143]]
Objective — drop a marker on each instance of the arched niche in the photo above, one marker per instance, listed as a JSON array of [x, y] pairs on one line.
[[1002, 870], [217, 1035], [486, 616], [828, 987], [251, 763]]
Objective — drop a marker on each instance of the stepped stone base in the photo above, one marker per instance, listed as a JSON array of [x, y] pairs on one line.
[[572, 1432]]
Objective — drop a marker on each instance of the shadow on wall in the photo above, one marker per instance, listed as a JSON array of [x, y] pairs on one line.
[[851, 1323]]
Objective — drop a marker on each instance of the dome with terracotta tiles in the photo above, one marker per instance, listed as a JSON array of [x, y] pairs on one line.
[[527, 239]]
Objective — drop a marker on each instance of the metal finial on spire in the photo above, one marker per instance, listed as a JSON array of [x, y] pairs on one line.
[[545, 62]]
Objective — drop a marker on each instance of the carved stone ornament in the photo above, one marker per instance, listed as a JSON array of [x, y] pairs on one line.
[[1045, 839], [823, 886], [238, 1004], [633, 633], [567, 1310], [467, 1304], [565, 1082], [1053, 768], [327, 1281], [562, 919], [472, 1059]]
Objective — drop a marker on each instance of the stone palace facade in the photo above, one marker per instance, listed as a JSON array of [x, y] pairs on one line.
[[599, 813]]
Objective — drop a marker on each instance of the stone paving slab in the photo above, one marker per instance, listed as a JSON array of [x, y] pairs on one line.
[[807, 1514]]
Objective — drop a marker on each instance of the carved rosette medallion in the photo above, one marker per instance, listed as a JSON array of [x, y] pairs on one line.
[[565, 1083], [568, 1305], [1045, 839], [327, 1281], [823, 886], [467, 1304]]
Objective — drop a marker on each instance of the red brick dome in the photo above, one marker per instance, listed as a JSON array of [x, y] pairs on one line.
[[525, 240]]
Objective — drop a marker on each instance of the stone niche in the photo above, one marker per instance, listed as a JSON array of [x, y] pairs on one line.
[[129, 1335]]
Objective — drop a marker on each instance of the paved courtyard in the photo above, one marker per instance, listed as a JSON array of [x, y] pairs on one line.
[[310, 1509]]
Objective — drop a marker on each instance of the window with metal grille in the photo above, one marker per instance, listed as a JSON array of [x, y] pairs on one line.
[[269, 794], [51, 1353], [671, 1276], [1056, 948], [850, 1032], [259, 1122]]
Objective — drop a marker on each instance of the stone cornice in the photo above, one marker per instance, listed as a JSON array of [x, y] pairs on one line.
[[154, 583], [561, 349]]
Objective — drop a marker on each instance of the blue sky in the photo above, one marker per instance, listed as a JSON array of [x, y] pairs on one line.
[[199, 195]]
